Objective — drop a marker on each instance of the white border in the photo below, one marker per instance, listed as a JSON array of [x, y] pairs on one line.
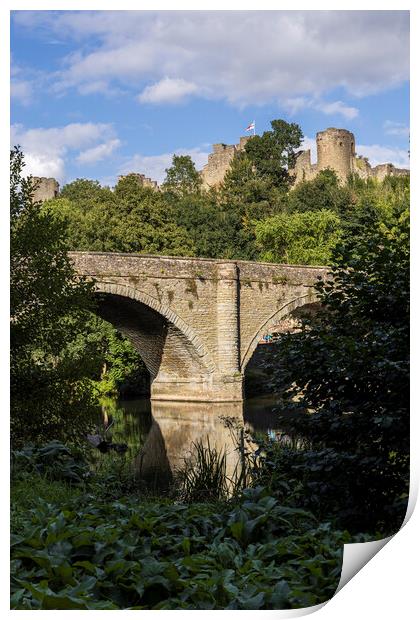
[[386, 587]]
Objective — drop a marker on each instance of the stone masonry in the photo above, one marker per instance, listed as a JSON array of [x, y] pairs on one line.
[[219, 162], [196, 322], [142, 180], [44, 189], [336, 151]]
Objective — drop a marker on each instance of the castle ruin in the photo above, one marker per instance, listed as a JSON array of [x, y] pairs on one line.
[[44, 188], [141, 179], [219, 162], [336, 151]]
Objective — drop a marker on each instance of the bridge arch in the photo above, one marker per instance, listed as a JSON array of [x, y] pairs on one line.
[[171, 325], [272, 320]]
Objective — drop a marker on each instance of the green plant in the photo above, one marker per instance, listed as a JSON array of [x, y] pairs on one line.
[[53, 460], [203, 476], [349, 366], [50, 392], [90, 554]]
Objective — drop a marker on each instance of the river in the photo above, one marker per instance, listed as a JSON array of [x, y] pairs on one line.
[[161, 434]]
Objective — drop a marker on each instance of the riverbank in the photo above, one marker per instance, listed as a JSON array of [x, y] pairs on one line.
[[91, 546]]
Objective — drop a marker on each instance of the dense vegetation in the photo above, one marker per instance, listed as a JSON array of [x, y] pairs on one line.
[[92, 537], [90, 541], [350, 368], [50, 393]]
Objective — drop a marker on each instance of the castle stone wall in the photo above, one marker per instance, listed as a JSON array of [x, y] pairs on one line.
[[44, 188], [336, 150], [141, 179], [219, 162]]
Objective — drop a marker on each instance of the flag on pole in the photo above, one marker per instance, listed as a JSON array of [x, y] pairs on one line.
[[251, 126]]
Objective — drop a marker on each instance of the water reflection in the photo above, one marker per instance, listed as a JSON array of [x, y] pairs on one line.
[[160, 434], [178, 425]]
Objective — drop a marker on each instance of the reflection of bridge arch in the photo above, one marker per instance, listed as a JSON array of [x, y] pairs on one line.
[[266, 326]]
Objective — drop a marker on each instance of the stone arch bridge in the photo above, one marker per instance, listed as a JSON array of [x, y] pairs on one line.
[[196, 322]]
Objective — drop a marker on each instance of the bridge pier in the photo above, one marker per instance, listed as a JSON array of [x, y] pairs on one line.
[[226, 389], [226, 383]]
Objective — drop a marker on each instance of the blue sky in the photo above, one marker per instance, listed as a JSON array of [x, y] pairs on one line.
[[100, 93]]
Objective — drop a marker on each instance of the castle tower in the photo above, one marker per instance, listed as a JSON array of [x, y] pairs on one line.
[[219, 162], [44, 189], [336, 150]]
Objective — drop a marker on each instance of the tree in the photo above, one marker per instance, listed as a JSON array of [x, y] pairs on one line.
[[323, 192], [84, 192], [299, 238], [50, 395], [182, 177], [120, 371], [256, 184], [133, 218], [203, 219], [350, 368], [273, 153]]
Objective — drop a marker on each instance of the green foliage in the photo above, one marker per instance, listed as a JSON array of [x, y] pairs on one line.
[[84, 192], [182, 177], [322, 193], [29, 489], [373, 202], [133, 218], [274, 152], [203, 476], [53, 460], [255, 186], [300, 238], [350, 368], [50, 396], [91, 554], [205, 222], [118, 369]]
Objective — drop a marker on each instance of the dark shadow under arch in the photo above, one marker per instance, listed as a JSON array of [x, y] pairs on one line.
[[155, 330], [276, 317]]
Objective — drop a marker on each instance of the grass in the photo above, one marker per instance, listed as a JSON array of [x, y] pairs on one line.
[[203, 476]]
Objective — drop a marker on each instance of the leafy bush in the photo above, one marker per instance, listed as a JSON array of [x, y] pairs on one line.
[[50, 395], [125, 555], [54, 460], [302, 238], [350, 365]]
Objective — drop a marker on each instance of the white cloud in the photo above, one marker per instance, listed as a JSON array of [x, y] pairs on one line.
[[378, 154], [39, 165], [296, 104], [249, 57], [46, 150], [167, 90], [337, 107], [97, 153], [396, 129], [22, 91], [154, 166]]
